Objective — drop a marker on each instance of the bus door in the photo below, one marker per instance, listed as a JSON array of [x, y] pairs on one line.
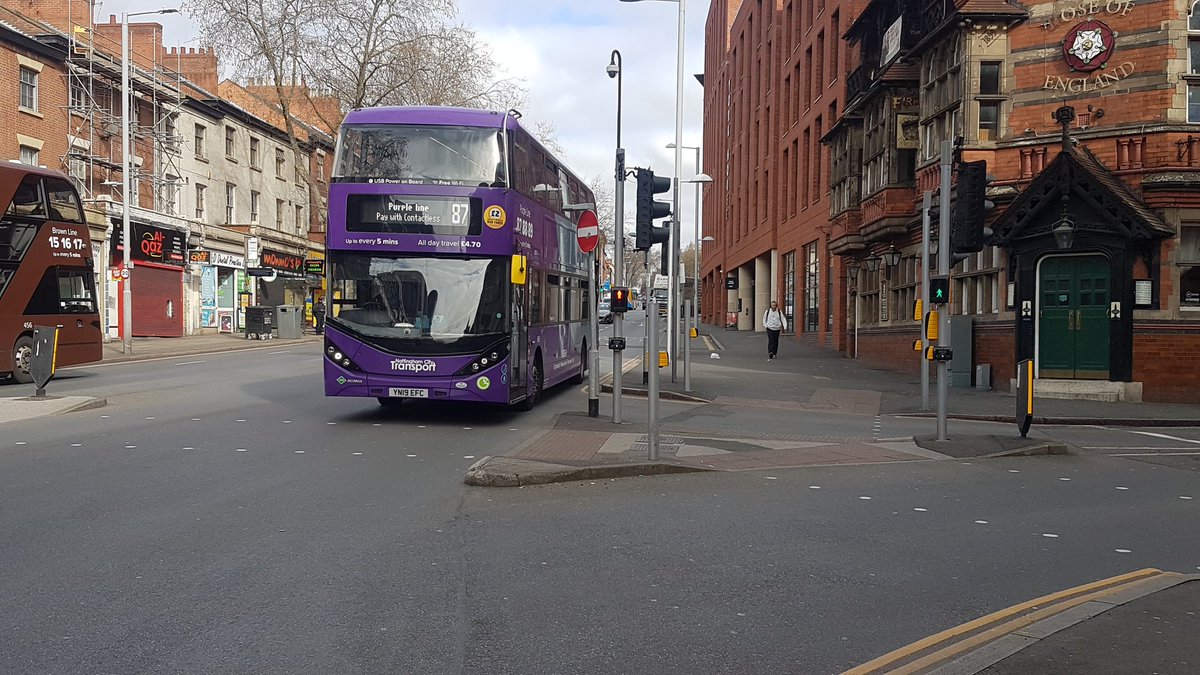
[[519, 359]]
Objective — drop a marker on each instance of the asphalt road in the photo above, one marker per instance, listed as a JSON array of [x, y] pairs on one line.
[[221, 515]]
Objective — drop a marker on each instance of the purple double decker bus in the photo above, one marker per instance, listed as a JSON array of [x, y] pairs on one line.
[[453, 268]]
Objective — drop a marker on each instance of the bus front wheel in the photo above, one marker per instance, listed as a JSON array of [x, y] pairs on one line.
[[583, 367], [22, 356], [535, 387]]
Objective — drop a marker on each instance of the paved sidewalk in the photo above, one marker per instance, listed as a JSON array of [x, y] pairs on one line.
[[815, 367], [17, 401]]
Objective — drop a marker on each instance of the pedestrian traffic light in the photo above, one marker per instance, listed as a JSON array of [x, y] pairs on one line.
[[939, 290], [648, 209], [967, 230], [618, 299]]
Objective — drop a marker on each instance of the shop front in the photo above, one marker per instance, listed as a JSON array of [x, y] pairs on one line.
[[223, 280], [158, 257], [282, 280]]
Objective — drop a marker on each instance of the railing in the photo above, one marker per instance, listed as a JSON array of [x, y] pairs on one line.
[[857, 83], [934, 14]]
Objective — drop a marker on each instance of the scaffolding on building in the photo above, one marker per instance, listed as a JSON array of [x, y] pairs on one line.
[[93, 158]]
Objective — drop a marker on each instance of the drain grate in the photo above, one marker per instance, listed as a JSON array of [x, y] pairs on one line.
[[662, 440]]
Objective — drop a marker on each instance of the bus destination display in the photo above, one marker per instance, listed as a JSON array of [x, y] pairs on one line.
[[402, 214]]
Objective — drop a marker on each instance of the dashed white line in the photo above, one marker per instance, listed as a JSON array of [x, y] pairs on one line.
[[189, 363], [917, 508], [1122, 550], [1050, 535], [981, 522]]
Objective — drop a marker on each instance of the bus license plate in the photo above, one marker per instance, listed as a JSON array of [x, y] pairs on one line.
[[406, 392]]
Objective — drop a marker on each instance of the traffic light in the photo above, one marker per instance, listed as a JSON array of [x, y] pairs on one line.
[[648, 209], [939, 290], [967, 230], [618, 299]]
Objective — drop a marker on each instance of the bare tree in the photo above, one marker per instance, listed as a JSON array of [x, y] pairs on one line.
[[362, 52], [405, 52]]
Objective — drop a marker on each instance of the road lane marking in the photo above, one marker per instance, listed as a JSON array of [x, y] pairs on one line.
[[189, 363], [1166, 436], [1156, 454], [1050, 604], [1133, 447]]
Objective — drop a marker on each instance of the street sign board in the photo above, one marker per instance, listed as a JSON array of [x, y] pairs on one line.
[[587, 232]]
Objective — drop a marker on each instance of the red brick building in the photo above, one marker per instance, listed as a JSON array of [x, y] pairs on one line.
[[1093, 266], [774, 86]]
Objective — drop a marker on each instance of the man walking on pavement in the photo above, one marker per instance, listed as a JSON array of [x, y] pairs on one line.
[[319, 316], [774, 322]]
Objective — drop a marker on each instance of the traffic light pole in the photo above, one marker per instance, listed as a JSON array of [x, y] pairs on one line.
[[943, 340], [926, 204], [619, 273], [652, 394]]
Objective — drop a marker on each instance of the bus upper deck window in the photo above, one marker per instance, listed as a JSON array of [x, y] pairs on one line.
[[27, 200], [64, 204]]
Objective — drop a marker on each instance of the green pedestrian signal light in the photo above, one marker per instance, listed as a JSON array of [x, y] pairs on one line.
[[939, 290]]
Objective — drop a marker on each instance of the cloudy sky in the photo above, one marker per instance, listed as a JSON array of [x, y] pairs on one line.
[[560, 49]]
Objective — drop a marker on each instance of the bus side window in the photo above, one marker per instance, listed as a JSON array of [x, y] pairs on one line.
[[64, 202], [45, 297], [28, 199]]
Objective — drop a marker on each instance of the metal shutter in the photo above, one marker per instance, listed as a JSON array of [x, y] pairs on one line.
[[157, 301]]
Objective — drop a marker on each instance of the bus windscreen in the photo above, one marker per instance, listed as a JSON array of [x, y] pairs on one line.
[[423, 155], [429, 304]]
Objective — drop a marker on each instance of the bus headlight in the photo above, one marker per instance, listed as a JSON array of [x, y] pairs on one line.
[[339, 357], [490, 357]]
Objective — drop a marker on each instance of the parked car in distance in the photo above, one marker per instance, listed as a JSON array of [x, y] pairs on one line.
[[605, 312]]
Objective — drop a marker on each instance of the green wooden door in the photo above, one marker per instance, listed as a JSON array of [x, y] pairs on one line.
[[1073, 319]]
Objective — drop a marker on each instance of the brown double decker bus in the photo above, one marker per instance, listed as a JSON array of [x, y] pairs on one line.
[[47, 273]]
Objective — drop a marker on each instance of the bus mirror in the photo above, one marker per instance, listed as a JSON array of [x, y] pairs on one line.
[[519, 269]]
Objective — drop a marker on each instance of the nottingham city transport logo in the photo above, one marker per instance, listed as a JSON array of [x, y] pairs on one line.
[[1088, 45]]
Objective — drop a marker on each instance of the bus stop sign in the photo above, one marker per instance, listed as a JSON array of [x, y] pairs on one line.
[[588, 231]]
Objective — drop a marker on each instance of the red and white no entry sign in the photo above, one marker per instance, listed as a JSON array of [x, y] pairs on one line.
[[587, 232]]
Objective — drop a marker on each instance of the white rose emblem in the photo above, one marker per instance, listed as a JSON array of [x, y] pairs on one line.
[[1088, 45]]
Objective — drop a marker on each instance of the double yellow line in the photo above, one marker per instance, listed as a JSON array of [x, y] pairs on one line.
[[935, 650]]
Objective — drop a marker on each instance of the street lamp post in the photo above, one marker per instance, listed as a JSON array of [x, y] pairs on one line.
[[687, 354], [614, 70], [126, 169], [673, 250]]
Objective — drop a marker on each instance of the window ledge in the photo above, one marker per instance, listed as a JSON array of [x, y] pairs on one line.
[[30, 111]]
